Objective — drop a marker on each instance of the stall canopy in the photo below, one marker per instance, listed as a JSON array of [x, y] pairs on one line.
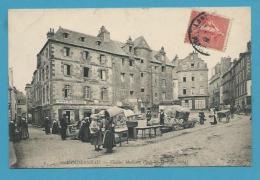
[[129, 113], [114, 111]]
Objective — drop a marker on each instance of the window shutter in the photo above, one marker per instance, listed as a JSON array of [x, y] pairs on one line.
[[90, 72], [62, 68], [99, 72], [106, 75], [82, 55], [70, 91]]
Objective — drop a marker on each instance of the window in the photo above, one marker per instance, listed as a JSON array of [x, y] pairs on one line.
[[163, 68], [43, 75], [102, 74], [131, 62], [85, 55], [46, 53], [65, 35], [43, 95], [67, 69], [200, 104], [192, 65], [102, 59], [142, 61], [66, 51], [142, 74], [142, 89], [82, 39], [47, 72], [131, 78], [193, 78], [131, 93], [184, 79], [184, 91], [67, 91], [123, 61], [104, 94], [98, 43], [86, 72], [122, 77], [47, 93], [164, 82], [163, 95], [130, 48], [87, 92]]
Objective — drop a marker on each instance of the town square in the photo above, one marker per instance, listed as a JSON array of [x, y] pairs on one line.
[[95, 97]]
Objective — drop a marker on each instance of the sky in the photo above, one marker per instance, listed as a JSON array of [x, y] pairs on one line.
[[165, 27]]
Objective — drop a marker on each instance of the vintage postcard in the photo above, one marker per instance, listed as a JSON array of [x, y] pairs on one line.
[[130, 87]]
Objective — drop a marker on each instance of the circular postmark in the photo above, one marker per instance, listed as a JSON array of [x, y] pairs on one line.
[[195, 38]]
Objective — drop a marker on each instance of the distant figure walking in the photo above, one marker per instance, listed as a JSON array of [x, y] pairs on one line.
[[55, 127], [64, 125], [47, 125], [213, 115], [24, 129], [148, 117], [162, 116], [202, 117]]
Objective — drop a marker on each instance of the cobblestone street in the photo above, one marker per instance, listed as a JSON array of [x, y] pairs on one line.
[[226, 144]]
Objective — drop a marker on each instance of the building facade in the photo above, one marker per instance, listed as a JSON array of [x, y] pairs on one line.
[[215, 88], [237, 81], [21, 104], [192, 75], [78, 74]]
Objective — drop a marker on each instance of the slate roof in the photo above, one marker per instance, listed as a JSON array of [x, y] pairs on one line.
[[111, 46]]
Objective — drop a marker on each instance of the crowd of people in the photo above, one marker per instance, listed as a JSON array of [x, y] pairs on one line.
[[18, 130], [97, 130]]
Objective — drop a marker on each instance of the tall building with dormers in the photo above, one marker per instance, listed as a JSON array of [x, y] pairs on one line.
[[78, 74], [192, 75]]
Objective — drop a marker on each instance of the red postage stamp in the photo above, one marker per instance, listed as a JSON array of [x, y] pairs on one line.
[[208, 31]]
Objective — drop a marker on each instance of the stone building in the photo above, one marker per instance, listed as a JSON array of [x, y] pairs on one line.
[[21, 104], [78, 74], [237, 81], [28, 91], [215, 89], [192, 75]]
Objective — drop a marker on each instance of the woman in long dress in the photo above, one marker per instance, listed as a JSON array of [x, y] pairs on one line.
[[96, 133], [84, 132], [109, 136], [24, 128], [55, 127]]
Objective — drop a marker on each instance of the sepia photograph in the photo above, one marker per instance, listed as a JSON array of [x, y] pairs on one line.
[[129, 87]]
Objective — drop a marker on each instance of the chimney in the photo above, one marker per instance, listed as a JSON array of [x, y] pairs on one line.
[[104, 34], [50, 34]]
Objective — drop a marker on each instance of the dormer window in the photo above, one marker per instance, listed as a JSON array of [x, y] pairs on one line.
[[65, 35], [130, 48], [82, 39], [98, 43]]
